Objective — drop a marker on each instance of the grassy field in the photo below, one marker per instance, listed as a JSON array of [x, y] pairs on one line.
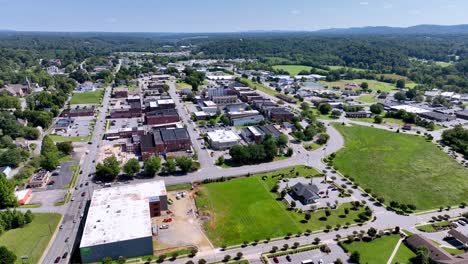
[[373, 85], [87, 97], [368, 98], [385, 120], [32, 239], [177, 187], [376, 251], [292, 69], [182, 85], [346, 68], [431, 227], [57, 138], [244, 209], [259, 87], [403, 255], [402, 168]]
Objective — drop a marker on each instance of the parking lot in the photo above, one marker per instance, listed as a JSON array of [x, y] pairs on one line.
[[62, 176], [119, 123], [316, 256], [47, 198], [81, 127]]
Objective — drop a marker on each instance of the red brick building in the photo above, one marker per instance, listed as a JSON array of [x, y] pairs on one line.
[[162, 117], [161, 141]]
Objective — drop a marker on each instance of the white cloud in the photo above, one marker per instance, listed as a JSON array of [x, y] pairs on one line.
[[363, 3]]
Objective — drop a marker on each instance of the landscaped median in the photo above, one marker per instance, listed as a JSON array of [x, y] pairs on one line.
[[245, 210]]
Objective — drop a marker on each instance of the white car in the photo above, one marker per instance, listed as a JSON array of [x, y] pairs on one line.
[[164, 227]]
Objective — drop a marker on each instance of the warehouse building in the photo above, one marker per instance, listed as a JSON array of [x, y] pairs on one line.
[[119, 221], [223, 139]]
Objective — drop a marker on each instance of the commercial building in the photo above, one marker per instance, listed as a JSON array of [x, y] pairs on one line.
[[40, 179], [23, 196], [360, 114], [257, 133], [228, 99], [132, 109], [120, 92], [126, 132], [247, 117], [85, 111], [280, 114], [462, 114], [161, 141], [439, 117], [87, 87], [162, 117], [222, 139], [119, 221]]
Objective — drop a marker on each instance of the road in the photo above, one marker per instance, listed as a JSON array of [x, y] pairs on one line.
[[72, 211]]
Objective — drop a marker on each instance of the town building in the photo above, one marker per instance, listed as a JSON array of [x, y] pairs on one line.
[[162, 117], [222, 139], [436, 253], [85, 111], [6, 170], [305, 193], [40, 179], [257, 133], [23, 196], [439, 117], [119, 223], [462, 114], [359, 114], [162, 141], [86, 87], [280, 114], [247, 117], [120, 92]]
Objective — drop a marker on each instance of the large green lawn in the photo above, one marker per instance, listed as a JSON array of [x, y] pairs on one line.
[[87, 97], [259, 86], [377, 251], [373, 85], [244, 209], [403, 255], [402, 168], [32, 239], [292, 69]]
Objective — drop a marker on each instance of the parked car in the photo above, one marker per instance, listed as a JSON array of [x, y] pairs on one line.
[[461, 222], [57, 259], [83, 194], [276, 260], [164, 227], [288, 258], [65, 255]]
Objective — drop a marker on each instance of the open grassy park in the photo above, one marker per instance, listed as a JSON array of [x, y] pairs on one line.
[[380, 250], [32, 239], [400, 167], [373, 85], [292, 69], [87, 97], [244, 209]]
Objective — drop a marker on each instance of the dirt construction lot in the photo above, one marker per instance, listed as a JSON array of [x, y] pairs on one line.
[[184, 229]]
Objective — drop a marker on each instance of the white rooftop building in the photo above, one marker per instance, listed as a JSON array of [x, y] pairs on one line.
[[223, 139], [410, 109], [119, 221]]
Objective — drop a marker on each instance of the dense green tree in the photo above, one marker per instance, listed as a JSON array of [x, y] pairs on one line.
[[50, 161], [400, 84], [131, 167], [65, 147], [400, 96], [170, 165], [378, 119], [7, 195], [108, 169], [152, 165], [184, 163], [376, 109], [324, 108], [7, 256]]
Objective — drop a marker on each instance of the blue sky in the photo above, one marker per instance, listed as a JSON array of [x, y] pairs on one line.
[[224, 15]]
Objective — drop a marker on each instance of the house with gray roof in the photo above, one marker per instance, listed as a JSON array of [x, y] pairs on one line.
[[305, 193]]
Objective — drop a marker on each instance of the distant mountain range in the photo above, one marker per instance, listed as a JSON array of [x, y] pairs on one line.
[[418, 29]]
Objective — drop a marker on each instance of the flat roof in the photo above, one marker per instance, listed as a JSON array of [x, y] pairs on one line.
[[209, 103], [410, 109], [120, 213], [223, 136], [165, 101]]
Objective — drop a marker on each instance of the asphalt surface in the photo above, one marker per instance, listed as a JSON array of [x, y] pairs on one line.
[[73, 210]]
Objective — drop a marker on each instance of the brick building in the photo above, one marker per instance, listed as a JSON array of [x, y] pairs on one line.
[[162, 117]]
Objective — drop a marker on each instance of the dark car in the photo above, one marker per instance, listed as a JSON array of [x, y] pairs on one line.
[[81, 185], [83, 194], [86, 184], [288, 258], [89, 142], [65, 255], [57, 259], [276, 260]]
